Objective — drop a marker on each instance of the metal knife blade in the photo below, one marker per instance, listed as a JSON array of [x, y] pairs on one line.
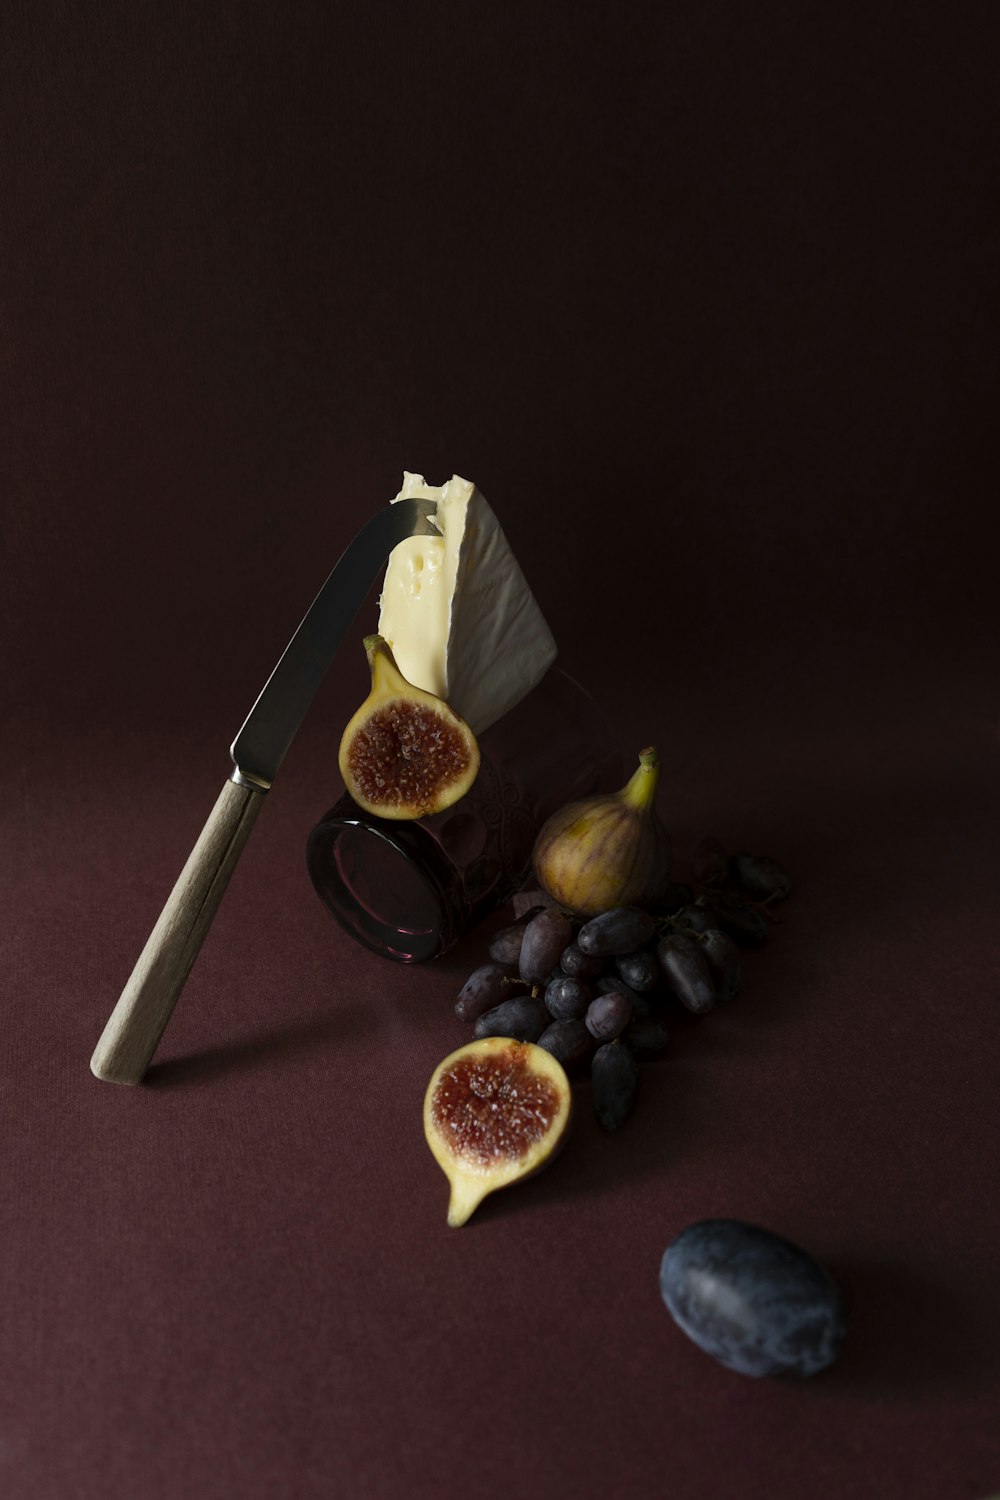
[[146, 1003], [271, 724]]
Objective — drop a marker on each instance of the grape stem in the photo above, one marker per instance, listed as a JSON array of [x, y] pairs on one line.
[[668, 921], [762, 906]]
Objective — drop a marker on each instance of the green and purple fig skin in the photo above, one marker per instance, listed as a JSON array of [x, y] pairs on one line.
[[607, 851]]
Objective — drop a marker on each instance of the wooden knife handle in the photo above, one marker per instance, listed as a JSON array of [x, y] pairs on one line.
[[137, 1022]]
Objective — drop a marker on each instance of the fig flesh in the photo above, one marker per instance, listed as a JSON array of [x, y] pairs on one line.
[[608, 851], [495, 1112], [405, 753]]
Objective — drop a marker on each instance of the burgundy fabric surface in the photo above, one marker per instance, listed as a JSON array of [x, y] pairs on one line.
[[704, 297]]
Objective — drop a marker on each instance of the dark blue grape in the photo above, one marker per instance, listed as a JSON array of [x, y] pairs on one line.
[[545, 937], [486, 987], [608, 1015], [566, 998], [640, 1003], [696, 918], [614, 1076], [527, 903], [760, 876], [620, 930], [753, 1301], [568, 1041], [686, 972], [524, 1019], [738, 919], [505, 945], [639, 970], [579, 964], [724, 961], [646, 1036], [524, 917]]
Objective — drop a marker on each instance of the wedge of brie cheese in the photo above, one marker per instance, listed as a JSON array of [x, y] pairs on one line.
[[457, 610]]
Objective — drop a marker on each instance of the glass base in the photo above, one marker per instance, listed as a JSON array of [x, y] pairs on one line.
[[378, 886]]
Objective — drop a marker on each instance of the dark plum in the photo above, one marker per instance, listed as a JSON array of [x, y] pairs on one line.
[[545, 937], [620, 930], [579, 964], [686, 972], [566, 999], [639, 970], [608, 1015], [752, 1300], [710, 861], [724, 961], [523, 1019], [760, 876], [568, 1041], [486, 987], [614, 1076]]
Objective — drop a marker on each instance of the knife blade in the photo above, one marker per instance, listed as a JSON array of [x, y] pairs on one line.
[[271, 724], [136, 1024]]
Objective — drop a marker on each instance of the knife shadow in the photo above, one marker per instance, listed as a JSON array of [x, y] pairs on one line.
[[264, 1049]]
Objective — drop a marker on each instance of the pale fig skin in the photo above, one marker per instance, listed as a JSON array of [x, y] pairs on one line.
[[607, 851], [472, 1181]]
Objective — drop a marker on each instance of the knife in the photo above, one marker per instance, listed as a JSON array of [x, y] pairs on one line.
[[138, 1020]]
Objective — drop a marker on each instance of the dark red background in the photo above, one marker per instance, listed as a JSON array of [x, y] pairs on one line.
[[704, 298]]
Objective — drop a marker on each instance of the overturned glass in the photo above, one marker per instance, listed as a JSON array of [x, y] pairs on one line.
[[409, 890]]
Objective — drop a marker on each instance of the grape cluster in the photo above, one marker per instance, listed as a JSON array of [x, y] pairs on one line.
[[599, 990]]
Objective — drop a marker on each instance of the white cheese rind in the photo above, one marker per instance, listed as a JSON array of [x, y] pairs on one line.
[[457, 610]]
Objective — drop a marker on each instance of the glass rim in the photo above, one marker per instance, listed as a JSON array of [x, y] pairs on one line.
[[414, 845]]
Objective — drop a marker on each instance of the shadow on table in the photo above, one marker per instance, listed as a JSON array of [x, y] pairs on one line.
[[263, 1049], [910, 1334]]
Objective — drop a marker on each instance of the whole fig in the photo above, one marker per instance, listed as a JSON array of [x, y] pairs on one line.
[[607, 851]]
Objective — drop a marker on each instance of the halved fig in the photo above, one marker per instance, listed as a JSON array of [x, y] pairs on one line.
[[495, 1112], [405, 753]]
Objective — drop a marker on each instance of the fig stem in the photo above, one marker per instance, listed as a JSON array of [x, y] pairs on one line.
[[376, 645], [640, 791], [385, 673]]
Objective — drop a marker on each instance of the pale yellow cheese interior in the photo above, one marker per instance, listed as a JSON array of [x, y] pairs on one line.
[[420, 585], [457, 610]]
